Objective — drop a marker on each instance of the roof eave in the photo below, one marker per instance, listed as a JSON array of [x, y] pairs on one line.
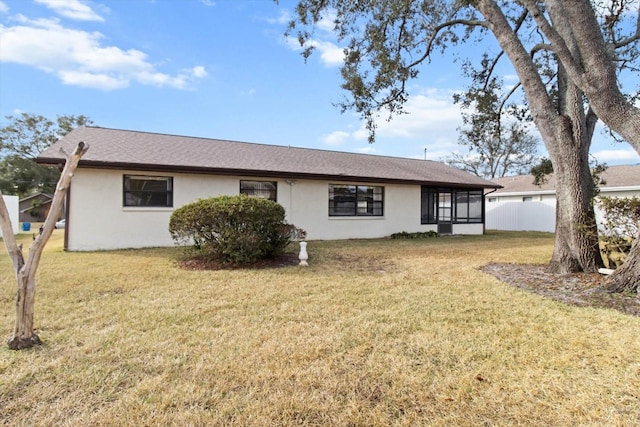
[[260, 173]]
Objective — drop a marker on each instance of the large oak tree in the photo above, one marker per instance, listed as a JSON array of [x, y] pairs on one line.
[[389, 41]]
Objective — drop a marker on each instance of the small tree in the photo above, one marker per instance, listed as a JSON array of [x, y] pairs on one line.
[[25, 270], [233, 229]]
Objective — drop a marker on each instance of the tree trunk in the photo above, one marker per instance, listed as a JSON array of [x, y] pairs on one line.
[[596, 75], [576, 238], [566, 132], [576, 246], [24, 335], [626, 278]]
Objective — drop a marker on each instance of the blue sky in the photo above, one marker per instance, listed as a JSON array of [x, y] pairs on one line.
[[218, 69]]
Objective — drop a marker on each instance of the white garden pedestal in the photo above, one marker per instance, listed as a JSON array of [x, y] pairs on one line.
[[303, 257]]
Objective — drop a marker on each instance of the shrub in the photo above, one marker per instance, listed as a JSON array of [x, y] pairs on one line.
[[233, 229], [621, 216], [619, 227], [416, 235]]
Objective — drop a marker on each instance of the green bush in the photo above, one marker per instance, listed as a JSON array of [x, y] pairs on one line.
[[416, 235], [233, 229]]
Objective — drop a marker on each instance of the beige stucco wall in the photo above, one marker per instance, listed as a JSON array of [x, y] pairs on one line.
[[97, 219]]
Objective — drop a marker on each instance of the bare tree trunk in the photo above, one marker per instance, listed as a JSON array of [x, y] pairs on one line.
[[24, 335]]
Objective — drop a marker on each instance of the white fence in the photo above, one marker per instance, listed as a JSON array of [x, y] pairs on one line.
[[13, 204], [521, 216]]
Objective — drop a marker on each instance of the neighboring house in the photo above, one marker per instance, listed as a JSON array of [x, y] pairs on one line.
[[35, 208], [12, 206], [128, 184], [523, 206]]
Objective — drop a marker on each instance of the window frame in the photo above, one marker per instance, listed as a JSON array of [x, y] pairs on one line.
[[152, 194], [463, 207], [356, 201], [258, 191]]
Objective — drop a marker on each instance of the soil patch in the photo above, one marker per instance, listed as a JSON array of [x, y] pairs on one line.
[[284, 260], [580, 289]]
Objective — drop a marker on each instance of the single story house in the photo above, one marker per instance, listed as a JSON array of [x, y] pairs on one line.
[[129, 182], [520, 205], [35, 208], [12, 207]]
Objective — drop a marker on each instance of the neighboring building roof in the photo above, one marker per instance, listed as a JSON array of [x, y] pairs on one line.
[[625, 176], [39, 195], [122, 149]]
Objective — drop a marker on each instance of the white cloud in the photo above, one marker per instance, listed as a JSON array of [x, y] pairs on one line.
[[430, 112], [327, 20], [336, 138], [628, 155], [90, 80], [431, 124], [72, 9], [283, 18], [208, 2], [3, 7], [366, 150], [79, 57], [330, 53], [199, 72]]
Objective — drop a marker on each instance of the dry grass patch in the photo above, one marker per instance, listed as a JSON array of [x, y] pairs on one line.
[[375, 333]]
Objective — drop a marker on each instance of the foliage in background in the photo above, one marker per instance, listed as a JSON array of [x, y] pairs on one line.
[[21, 141], [495, 132], [233, 229], [621, 216]]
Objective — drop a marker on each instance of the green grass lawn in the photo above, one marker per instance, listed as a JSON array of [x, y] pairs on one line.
[[372, 333]]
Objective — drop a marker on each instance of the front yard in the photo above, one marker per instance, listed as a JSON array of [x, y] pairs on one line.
[[373, 333]]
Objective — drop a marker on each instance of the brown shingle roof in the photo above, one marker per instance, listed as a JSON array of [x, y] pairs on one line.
[[613, 176], [112, 148]]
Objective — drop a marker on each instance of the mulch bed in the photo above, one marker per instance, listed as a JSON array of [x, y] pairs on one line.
[[580, 289]]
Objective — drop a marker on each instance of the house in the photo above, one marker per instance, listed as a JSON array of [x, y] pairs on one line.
[[129, 182], [35, 208], [11, 202], [523, 206]]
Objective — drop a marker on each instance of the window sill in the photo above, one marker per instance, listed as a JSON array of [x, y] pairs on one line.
[[146, 209], [356, 217]]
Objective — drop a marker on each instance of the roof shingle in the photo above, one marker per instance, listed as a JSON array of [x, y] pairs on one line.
[[115, 148], [613, 176]]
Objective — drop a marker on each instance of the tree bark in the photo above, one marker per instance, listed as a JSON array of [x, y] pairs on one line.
[[566, 133], [626, 278], [600, 85], [24, 335], [575, 216]]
